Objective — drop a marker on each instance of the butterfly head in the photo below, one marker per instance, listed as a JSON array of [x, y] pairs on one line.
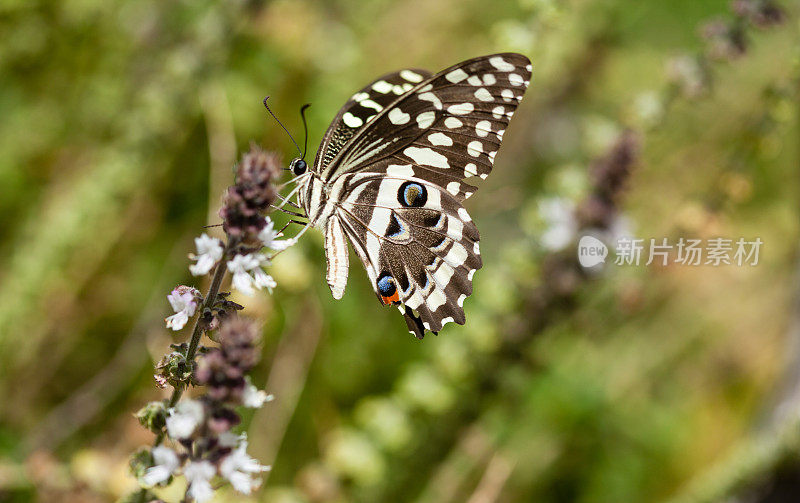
[[298, 167]]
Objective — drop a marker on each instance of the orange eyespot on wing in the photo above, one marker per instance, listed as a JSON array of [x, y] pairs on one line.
[[387, 289], [393, 299]]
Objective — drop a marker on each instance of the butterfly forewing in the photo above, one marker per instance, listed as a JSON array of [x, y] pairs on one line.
[[361, 109], [451, 124], [396, 158]]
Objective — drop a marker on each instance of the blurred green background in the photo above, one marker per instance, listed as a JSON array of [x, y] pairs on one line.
[[120, 122]]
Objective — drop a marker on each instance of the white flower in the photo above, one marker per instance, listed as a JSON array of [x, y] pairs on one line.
[[238, 467], [268, 237], [561, 225], [198, 474], [247, 273], [228, 439], [209, 251], [254, 397], [183, 300], [184, 418], [166, 463]]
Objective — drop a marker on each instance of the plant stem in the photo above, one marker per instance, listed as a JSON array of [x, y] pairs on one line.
[[211, 297], [197, 333]]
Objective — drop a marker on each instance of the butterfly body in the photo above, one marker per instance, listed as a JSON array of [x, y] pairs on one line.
[[389, 179]]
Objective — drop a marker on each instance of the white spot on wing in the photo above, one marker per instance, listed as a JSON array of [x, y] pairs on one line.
[[455, 229], [498, 112], [501, 64], [456, 76], [351, 120], [474, 80], [382, 86], [483, 95], [371, 104], [440, 139], [461, 299], [453, 123], [425, 119], [475, 148], [427, 157], [453, 188], [456, 256], [432, 98], [489, 80], [403, 171], [398, 117], [483, 128], [435, 300], [507, 94], [515, 79], [415, 300], [443, 274], [464, 215], [470, 170], [411, 76], [461, 108]]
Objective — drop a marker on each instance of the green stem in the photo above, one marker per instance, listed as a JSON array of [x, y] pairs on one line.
[[197, 334], [211, 297]]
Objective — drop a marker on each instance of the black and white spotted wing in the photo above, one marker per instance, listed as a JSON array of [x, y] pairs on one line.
[[390, 177], [361, 109]]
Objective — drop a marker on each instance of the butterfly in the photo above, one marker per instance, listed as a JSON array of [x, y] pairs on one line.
[[389, 177]]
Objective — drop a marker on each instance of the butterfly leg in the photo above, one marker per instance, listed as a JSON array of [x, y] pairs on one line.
[[289, 212], [290, 203], [294, 191], [298, 222]]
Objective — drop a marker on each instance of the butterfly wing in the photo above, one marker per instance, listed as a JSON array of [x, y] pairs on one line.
[[418, 244], [361, 109], [442, 130], [450, 125]]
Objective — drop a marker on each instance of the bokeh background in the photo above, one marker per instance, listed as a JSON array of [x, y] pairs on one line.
[[120, 123]]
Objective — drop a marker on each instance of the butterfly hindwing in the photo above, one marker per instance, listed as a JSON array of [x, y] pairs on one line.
[[423, 254]]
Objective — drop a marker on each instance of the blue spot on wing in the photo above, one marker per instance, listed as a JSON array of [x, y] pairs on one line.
[[386, 285], [412, 195]]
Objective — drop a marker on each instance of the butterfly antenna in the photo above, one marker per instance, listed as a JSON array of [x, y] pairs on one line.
[[305, 128], [282, 126]]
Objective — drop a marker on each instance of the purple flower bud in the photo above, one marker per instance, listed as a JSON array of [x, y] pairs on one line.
[[252, 195]]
